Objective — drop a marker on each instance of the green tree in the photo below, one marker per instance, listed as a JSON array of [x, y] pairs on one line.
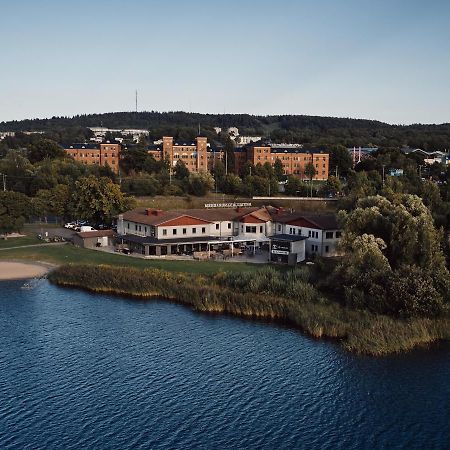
[[14, 210], [56, 202], [98, 199], [218, 173], [404, 231], [333, 185], [310, 170], [45, 149], [229, 156], [341, 160], [181, 171], [200, 183], [278, 170], [295, 186], [232, 184]]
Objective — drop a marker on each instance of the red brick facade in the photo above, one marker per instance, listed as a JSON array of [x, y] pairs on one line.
[[102, 154]]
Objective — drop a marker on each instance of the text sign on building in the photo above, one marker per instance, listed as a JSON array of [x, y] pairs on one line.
[[227, 205], [281, 248]]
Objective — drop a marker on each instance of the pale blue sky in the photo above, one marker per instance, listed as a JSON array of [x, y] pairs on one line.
[[377, 59]]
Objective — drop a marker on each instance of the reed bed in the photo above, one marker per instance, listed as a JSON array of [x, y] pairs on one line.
[[285, 296]]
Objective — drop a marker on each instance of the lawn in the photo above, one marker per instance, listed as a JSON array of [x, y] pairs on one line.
[[19, 241], [63, 254]]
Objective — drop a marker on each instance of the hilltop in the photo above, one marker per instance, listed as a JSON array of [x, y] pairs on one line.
[[316, 130]]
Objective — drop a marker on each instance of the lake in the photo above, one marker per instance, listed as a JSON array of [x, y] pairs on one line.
[[79, 370]]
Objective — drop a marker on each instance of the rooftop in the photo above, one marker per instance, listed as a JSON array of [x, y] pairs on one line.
[[287, 237]]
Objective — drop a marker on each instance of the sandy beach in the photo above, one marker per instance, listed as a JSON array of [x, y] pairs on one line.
[[10, 270]]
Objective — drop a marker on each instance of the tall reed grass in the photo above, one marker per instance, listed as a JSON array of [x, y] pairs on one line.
[[269, 294]]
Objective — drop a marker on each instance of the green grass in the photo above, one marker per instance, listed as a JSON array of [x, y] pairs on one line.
[[64, 254], [19, 241]]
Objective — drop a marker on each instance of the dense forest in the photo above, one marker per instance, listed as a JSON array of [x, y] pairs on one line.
[[310, 130]]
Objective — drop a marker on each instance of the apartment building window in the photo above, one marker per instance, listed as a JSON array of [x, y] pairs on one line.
[[128, 225], [329, 235], [145, 230], [327, 248], [229, 226], [203, 230], [194, 230], [338, 234], [250, 229], [140, 228], [164, 232], [260, 229], [135, 227], [174, 231], [217, 226], [309, 233], [279, 227], [184, 230]]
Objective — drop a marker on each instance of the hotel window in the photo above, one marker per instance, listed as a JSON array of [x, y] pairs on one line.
[[135, 227], [279, 227], [329, 235], [260, 229], [229, 226], [164, 232], [184, 230], [250, 229], [174, 231], [194, 230], [203, 230], [128, 225], [217, 226]]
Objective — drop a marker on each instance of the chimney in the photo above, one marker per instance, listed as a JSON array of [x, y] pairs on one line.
[[153, 212]]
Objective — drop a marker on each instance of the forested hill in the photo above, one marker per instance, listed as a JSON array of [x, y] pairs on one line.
[[285, 128]]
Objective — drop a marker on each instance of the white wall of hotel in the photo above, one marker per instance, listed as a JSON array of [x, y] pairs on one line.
[[320, 242], [220, 229]]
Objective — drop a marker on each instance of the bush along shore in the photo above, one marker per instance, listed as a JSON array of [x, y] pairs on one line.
[[285, 296]]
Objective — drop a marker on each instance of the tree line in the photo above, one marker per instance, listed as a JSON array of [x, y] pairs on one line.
[[310, 130]]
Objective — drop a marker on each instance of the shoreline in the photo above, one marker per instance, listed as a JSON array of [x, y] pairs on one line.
[[20, 270], [358, 331]]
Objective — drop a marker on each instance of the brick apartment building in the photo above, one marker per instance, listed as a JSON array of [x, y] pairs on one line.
[[294, 159], [101, 154], [198, 156]]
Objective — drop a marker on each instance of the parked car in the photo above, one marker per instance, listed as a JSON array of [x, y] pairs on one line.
[[70, 225], [84, 228]]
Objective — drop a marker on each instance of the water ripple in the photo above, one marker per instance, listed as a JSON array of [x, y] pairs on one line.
[[86, 371]]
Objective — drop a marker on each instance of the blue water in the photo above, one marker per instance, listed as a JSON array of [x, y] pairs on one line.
[[97, 372]]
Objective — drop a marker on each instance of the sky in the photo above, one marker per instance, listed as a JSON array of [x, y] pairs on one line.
[[387, 60]]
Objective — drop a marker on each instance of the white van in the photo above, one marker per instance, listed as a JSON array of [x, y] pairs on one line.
[[86, 228]]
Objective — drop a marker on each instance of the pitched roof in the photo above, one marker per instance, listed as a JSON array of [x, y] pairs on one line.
[[319, 221], [287, 237], [95, 234]]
